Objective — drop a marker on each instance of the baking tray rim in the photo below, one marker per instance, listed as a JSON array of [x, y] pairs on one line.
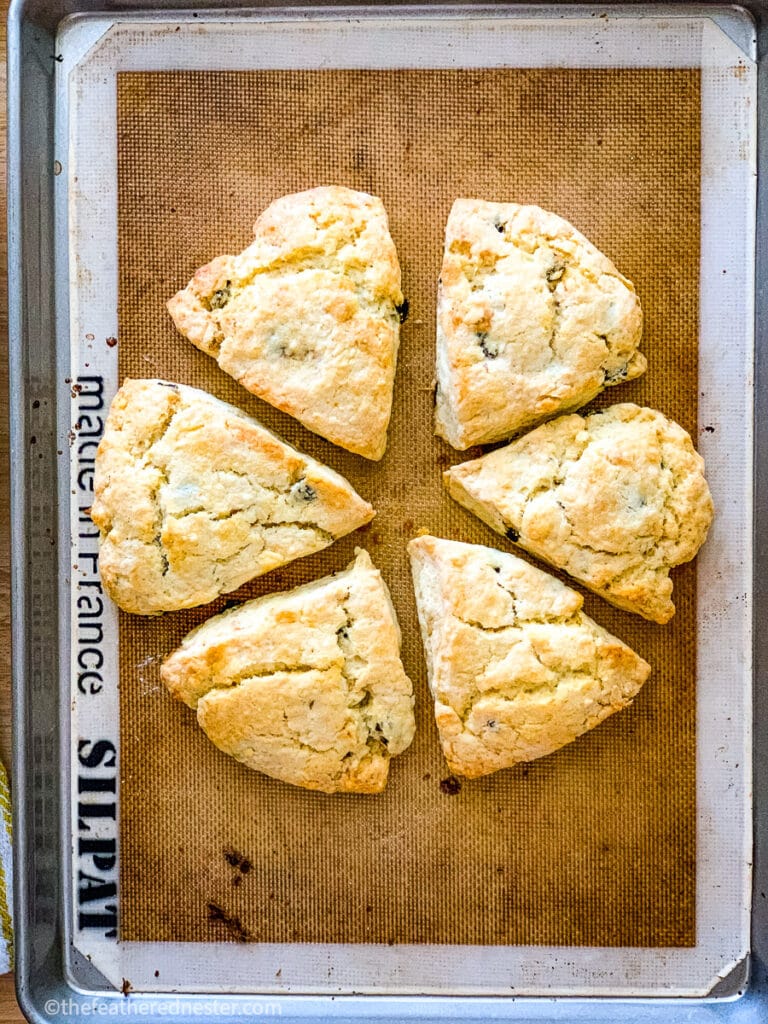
[[24, 19]]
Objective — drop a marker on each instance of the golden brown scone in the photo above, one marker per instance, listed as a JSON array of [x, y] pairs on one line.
[[306, 686], [193, 498], [532, 320], [308, 316], [616, 499], [516, 669]]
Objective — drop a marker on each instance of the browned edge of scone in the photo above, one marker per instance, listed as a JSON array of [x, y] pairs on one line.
[[616, 498], [193, 498], [533, 321], [305, 685], [308, 316], [516, 669]]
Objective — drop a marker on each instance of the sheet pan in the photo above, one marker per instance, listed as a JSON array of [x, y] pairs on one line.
[[44, 374]]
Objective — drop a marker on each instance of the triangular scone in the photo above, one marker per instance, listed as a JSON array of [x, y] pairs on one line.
[[516, 669], [193, 498], [615, 499], [306, 686], [532, 320], [308, 316]]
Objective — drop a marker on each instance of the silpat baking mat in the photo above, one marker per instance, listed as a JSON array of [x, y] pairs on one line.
[[594, 845]]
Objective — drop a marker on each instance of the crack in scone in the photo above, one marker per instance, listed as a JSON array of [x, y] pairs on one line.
[[308, 316], [306, 686], [533, 320], [516, 670], [193, 498], [616, 499]]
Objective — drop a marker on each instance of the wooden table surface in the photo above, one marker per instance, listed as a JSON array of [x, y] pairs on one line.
[[9, 1010]]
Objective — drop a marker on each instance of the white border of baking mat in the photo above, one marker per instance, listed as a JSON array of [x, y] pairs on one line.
[[92, 52]]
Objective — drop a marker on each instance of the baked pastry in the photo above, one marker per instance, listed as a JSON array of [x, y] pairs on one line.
[[532, 321], [616, 499], [193, 498], [308, 316], [516, 669], [306, 686]]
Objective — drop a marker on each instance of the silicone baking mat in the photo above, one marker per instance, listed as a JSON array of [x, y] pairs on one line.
[[594, 845]]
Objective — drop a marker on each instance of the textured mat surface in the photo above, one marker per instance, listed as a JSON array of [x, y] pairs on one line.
[[594, 845]]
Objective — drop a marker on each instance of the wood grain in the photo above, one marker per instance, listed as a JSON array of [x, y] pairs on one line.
[[9, 1008]]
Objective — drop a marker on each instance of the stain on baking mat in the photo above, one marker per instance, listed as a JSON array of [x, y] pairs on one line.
[[594, 845]]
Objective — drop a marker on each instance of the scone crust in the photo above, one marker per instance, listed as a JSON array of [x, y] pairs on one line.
[[307, 316], [615, 499], [193, 498], [533, 321], [306, 686], [516, 669]]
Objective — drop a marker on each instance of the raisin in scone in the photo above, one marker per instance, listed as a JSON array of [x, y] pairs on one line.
[[615, 499], [516, 669], [532, 320], [306, 686], [193, 498], [308, 316]]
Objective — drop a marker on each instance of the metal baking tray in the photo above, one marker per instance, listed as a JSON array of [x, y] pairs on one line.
[[58, 975]]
